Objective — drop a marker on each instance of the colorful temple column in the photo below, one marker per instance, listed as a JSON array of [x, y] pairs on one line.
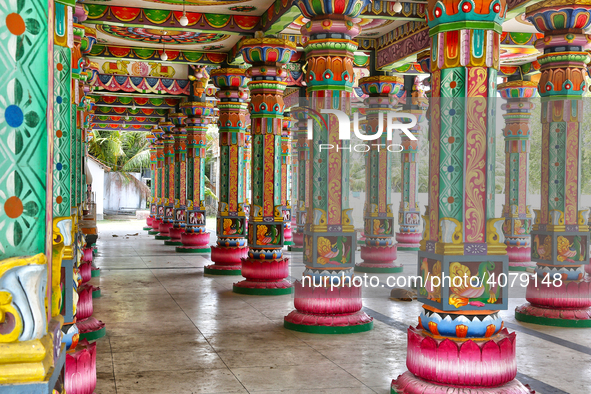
[[32, 353], [560, 295], [329, 236], [379, 252], [180, 179], [516, 211], [409, 212], [286, 177], [265, 268], [195, 239], [153, 184], [168, 180], [460, 343], [301, 152], [231, 230], [159, 173]]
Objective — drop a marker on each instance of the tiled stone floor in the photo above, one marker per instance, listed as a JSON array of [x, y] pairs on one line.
[[170, 329]]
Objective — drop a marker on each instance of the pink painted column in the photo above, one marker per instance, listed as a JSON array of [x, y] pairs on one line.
[[180, 179], [167, 181], [301, 188]]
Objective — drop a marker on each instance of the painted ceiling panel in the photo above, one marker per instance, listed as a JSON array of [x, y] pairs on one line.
[[246, 7]]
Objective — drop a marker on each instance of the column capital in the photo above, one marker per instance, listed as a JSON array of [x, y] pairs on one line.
[[518, 89], [451, 15]]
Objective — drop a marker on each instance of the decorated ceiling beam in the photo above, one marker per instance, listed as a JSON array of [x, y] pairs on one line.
[[119, 126], [168, 19], [278, 16], [151, 54], [131, 113], [138, 102], [380, 9], [124, 120], [394, 47], [129, 84]]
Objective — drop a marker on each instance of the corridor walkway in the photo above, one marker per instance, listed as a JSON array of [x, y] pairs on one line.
[[172, 330]]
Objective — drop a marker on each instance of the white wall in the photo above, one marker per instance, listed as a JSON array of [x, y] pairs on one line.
[[121, 194], [98, 186]]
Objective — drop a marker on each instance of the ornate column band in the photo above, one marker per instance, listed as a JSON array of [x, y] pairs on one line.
[[265, 268], [168, 180], [232, 207], [329, 236], [560, 234], [462, 240], [518, 219], [195, 238], [409, 212], [179, 134], [379, 252]]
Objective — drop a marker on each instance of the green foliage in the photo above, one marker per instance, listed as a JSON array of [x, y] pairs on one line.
[[123, 152]]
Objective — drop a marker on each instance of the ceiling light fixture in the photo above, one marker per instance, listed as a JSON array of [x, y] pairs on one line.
[[184, 21], [397, 7], [133, 106], [163, 55]]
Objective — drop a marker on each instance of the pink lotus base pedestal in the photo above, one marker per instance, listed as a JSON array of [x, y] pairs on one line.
[[264, 277], [164, 231], [327, 310], [91, 329], [155, 226], [588, 268], [175, 236], [520, 258], [407, 383], [227, 260], [149, 221], [408, 241], [378, 259], [80, 372], [194, 243], [562, 305]]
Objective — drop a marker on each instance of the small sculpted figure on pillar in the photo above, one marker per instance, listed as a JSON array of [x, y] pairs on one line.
[[265, 268], [560, 294]]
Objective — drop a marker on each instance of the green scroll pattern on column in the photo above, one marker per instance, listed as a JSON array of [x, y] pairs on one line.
[[23, 128]]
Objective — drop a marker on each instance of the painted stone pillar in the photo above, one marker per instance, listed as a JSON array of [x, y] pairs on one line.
[[153, 185], [180, 179], [286, 176], [409, 212], [462, 246], [159, 218], [379, 252], [329, 236], [231, 228], [265, 268], [518, 219], [560, 295], [301, 189], [168, 179], [195, 239], [31, 337]]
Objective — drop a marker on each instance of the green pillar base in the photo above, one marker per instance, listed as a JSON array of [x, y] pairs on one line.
[[263, 292], [162, 237], [378, 270], [153, 232], [294, 249], [329, 329], [545, 321], [95, 273], [188, 250], [94, 335], [147, 228], [287, 243], [96, 293], [173, 243], [403, 248], [210, 271], [359, 242]]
